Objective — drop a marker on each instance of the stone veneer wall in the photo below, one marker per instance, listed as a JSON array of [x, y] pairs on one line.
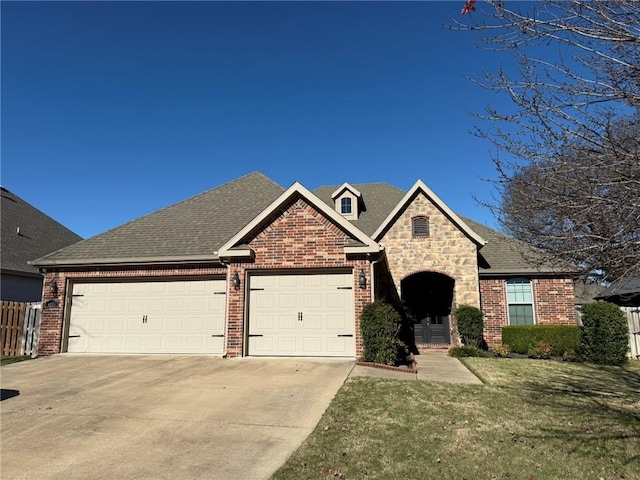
[[553, 304], [446, 250]]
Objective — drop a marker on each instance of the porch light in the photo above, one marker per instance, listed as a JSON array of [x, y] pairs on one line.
[[362, 280], [235, 280], [53, 287]]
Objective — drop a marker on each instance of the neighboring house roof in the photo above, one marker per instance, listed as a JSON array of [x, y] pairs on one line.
[[27, 234], [625, 292], [586, 292], [191, 230], [214, 224]]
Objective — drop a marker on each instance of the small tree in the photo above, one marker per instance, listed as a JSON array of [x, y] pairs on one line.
[[380, 323], [605, 334], [470, 325]]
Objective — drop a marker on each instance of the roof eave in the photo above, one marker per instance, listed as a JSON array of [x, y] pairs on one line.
[[126, 261], [525, 273]]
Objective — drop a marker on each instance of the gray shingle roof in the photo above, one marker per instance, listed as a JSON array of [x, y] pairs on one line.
[[378, 198], [623, 292], [196, 228], [503, 255], [38, 234], [189, 230]]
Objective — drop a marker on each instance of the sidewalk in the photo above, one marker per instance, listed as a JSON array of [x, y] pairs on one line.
[[433, 366]]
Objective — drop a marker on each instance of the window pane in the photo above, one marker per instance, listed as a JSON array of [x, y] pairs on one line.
[[518, 291], [345, 205], [521, 314]]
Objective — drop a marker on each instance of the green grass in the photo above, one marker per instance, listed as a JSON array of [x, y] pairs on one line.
[[6, 360], [533, 419]]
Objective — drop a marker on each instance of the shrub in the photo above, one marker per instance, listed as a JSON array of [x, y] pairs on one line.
[[541, 350], [571, 356], [470, 325], [468, 351], [605, 334], [380, 323], [561, 337], [501, 351]]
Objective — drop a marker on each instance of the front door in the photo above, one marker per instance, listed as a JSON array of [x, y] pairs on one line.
[[433, 330]]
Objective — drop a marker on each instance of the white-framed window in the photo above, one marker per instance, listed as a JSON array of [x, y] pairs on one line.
[[420, 226], [345, 206], [520, 301]]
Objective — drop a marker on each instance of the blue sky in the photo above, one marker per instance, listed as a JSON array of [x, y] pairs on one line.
[[112, 110]]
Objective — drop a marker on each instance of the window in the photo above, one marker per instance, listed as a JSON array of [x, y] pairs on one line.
[[420, 227], [520, 301], [345, 206]]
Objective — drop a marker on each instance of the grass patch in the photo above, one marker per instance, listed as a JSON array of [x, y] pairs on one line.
[[5, 360], [532, 420]]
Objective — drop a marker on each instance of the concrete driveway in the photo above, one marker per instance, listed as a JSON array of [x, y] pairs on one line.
[[160, 417]]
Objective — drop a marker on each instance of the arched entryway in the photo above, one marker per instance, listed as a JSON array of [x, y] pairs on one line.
[[429, 297]]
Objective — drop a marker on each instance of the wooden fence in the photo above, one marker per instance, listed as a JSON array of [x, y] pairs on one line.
[[20, 328], [633, 317]]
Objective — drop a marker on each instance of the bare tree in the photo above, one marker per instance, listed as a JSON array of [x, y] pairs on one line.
[[569, 152]]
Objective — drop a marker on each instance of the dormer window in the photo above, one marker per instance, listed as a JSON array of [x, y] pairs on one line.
[[420, 226], [345, 206], [348, 201]]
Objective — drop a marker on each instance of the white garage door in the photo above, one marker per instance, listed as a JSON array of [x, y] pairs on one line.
[[302, 315], [148, 317]]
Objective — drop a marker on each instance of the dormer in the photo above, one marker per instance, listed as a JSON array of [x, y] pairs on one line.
[[347, 201]]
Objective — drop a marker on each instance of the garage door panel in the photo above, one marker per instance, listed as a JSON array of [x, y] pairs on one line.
[[325, 302], [108, 317]]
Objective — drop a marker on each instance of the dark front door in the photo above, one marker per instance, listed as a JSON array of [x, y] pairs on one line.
[[432, 329]]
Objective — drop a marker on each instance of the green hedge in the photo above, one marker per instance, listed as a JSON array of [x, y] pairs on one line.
[[380, 323], [605, 334], [561, 337], [470, 325]]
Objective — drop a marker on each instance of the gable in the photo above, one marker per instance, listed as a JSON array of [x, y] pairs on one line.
[[237, 246], [419, 191], [298, 233]]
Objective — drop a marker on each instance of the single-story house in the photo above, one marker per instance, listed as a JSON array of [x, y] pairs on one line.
[[27, 234], [250, 268]]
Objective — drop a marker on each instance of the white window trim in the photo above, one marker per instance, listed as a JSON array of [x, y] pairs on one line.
[[533, 297]]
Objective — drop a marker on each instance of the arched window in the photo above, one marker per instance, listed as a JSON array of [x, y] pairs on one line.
[[520, 301], [420, 226]]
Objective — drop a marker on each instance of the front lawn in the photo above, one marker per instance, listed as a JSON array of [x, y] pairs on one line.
[[532, 420]]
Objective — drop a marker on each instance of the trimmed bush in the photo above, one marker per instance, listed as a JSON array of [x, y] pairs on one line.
[[571, 356], [541, 350], [468, 351], [470, 325], [605, 334], [380, 323], [561, 337], [501, 351]]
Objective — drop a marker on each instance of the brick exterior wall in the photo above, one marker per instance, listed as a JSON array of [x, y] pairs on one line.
[[553, 304], [295, 237], [52, 320]]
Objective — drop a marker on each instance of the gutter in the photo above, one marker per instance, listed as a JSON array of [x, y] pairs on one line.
[[133, 261]]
